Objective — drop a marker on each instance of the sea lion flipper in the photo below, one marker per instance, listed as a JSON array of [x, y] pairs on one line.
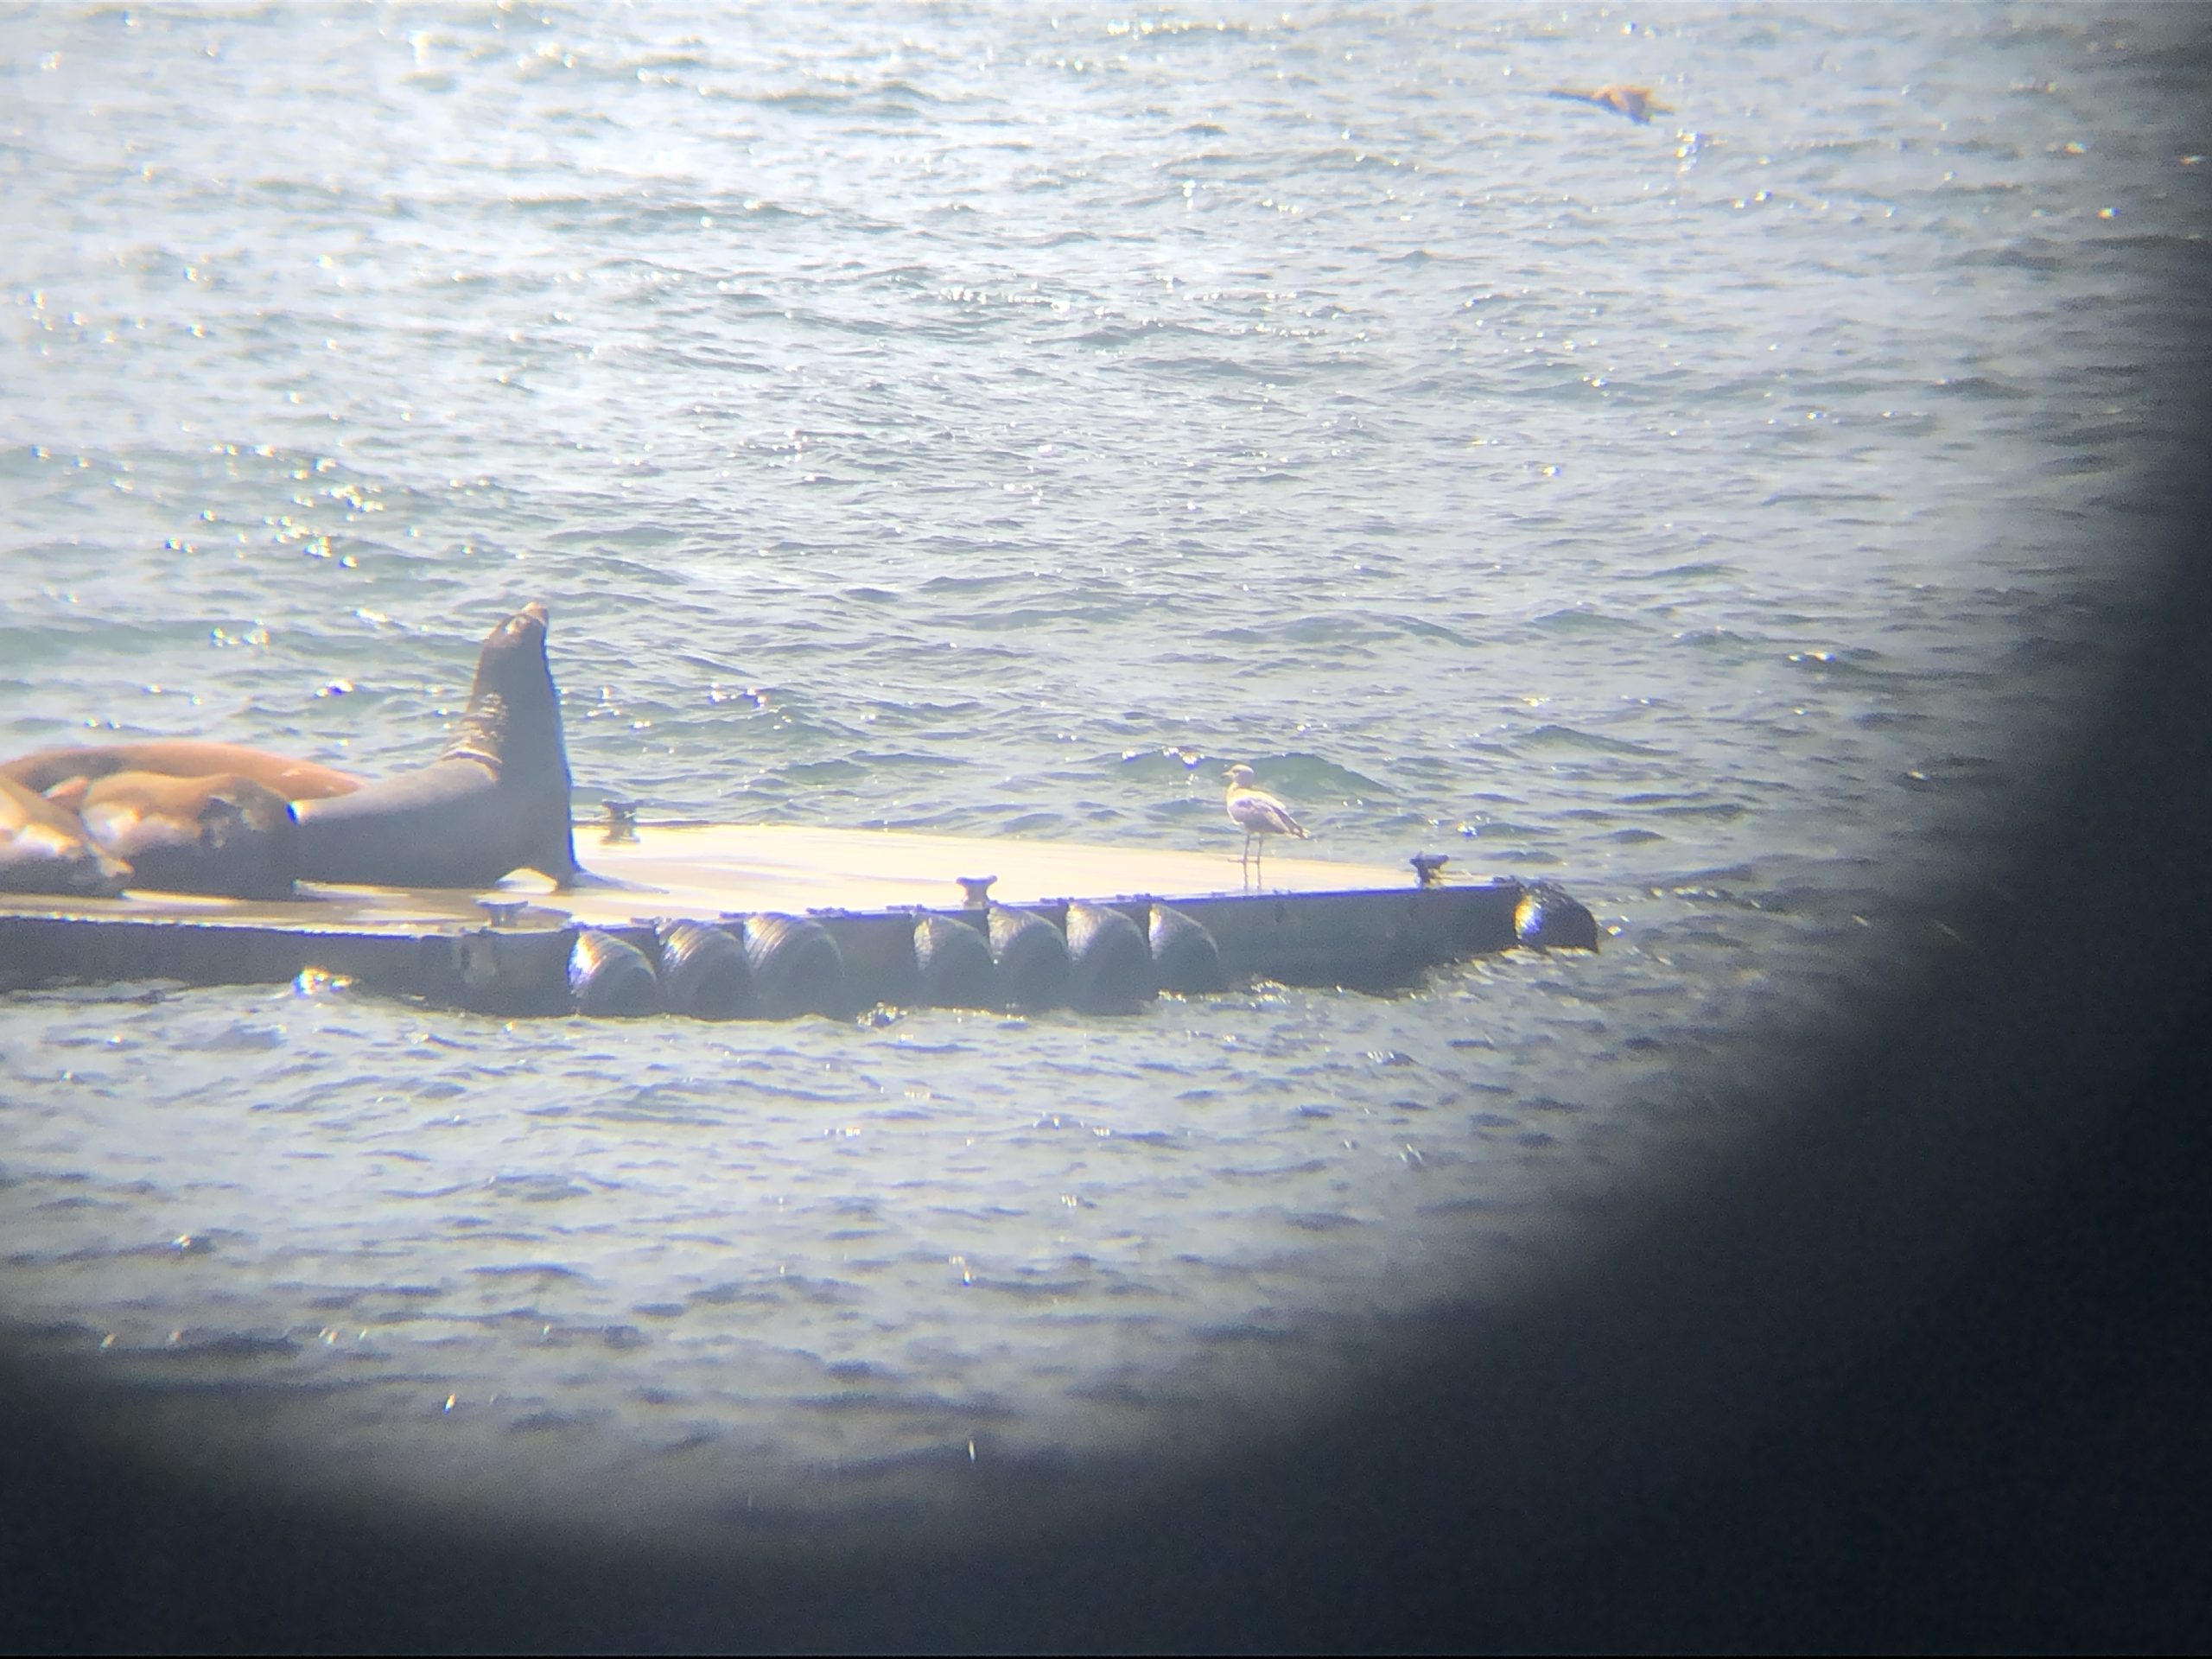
[[580, 877]]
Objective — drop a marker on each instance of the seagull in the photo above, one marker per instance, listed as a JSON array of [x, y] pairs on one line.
[[1258, 814], [1634, 102]]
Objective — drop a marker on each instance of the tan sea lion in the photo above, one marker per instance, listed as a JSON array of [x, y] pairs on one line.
[[64, 775], [44, 849], [496, 800], [1634, 102], [225, 834]]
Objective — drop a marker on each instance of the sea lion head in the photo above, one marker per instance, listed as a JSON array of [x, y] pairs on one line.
[[513, 722], [222, 834], [512, 663]]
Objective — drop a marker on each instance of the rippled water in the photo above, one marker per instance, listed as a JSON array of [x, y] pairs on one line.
[[974, 419]]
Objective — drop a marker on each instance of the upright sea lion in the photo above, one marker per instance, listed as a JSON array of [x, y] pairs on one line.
[[495, 800], [64, 775], [224, 834], [44, 849]]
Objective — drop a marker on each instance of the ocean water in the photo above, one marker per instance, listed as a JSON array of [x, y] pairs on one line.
[[996, 421]]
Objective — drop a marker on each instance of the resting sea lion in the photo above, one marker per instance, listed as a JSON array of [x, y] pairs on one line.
[[225, 834], [44, 849], [64, 775], [494, 801]]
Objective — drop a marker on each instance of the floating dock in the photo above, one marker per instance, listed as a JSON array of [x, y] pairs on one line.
[[828, 921]]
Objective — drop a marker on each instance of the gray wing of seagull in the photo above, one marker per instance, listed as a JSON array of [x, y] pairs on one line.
[[1262, 814]]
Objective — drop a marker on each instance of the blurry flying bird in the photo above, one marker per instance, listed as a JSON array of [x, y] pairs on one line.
[[1634, 102]]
